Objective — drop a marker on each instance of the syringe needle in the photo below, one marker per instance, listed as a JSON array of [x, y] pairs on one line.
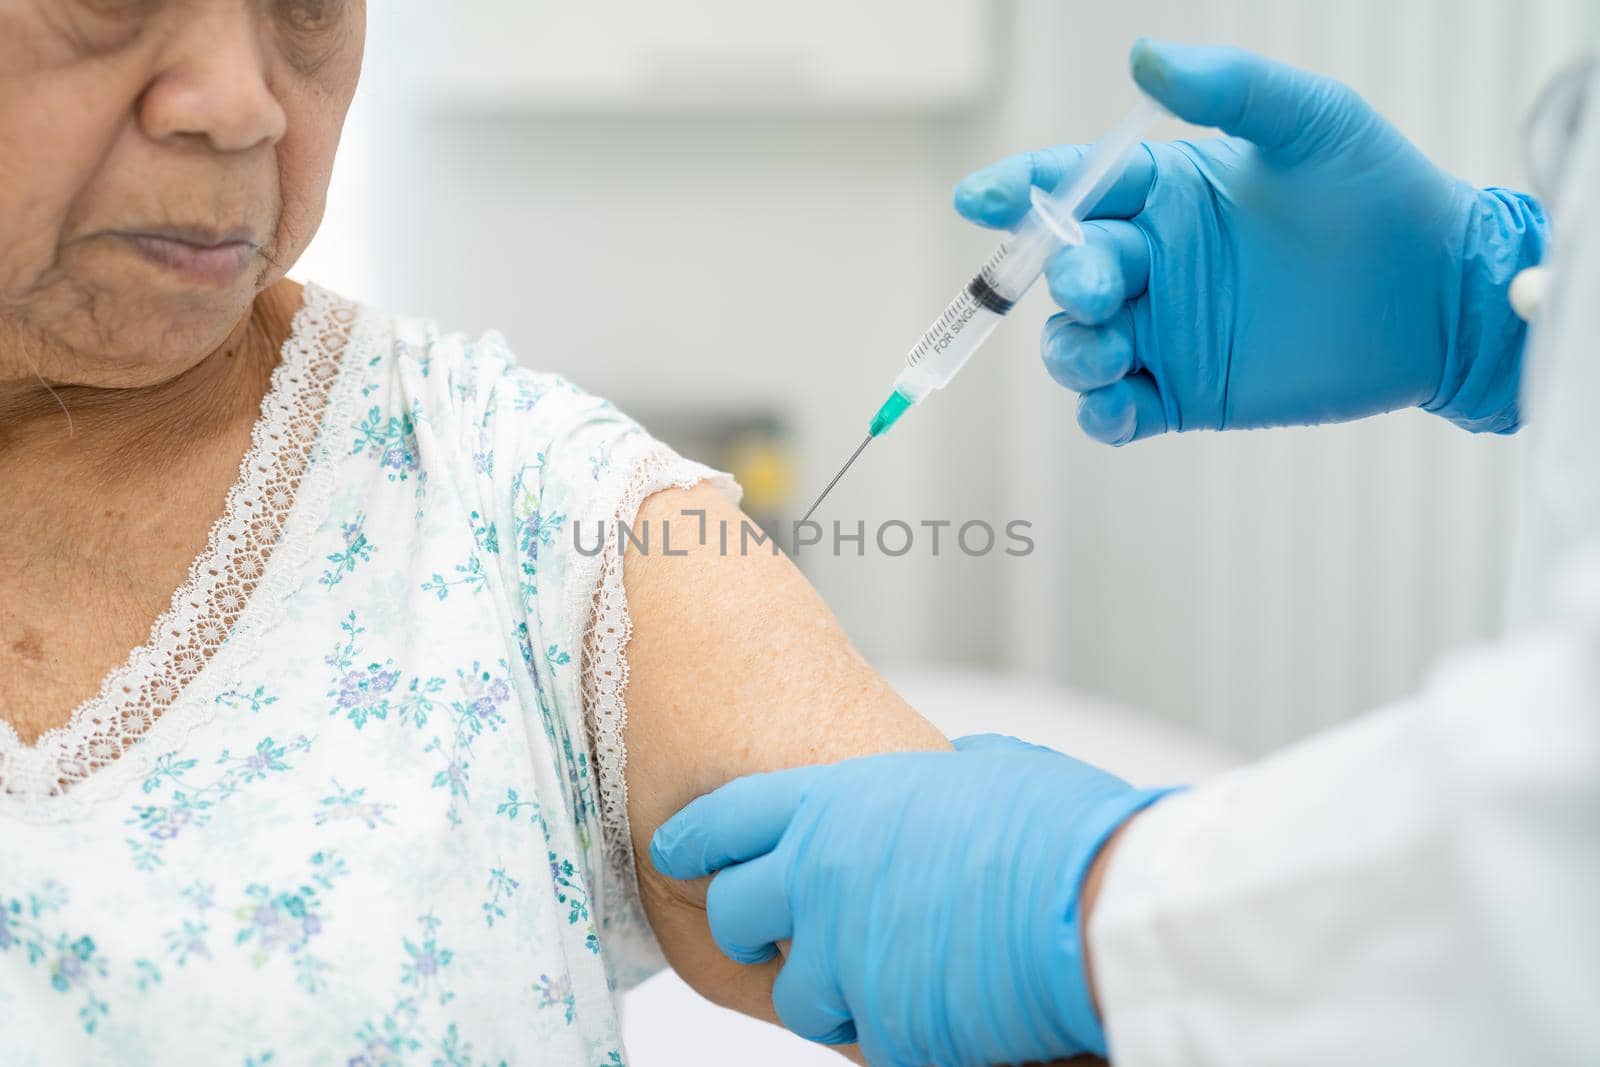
[[859, 449]]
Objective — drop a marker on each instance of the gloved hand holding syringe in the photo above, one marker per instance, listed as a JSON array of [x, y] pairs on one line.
[[1052, 224]]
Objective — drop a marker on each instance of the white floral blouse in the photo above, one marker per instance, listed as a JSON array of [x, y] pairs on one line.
[[359, 800]]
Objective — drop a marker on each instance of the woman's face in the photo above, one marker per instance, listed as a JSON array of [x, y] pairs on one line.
[[161, 163]]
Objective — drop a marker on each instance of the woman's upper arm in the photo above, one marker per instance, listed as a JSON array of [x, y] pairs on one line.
[[735, 667]]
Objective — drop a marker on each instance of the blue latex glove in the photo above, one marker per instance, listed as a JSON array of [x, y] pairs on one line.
[[1313, 267], [932, 897]]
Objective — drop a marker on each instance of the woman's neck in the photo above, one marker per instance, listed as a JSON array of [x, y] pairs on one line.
[[103, 437]]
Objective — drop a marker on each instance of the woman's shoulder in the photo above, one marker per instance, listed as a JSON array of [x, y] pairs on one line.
[[469, 395], [462, 407], [462, 377]]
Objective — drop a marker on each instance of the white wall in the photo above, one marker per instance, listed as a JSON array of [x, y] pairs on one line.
[[1254, 585]]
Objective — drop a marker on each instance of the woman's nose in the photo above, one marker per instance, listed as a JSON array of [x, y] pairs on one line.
[[212, 85]]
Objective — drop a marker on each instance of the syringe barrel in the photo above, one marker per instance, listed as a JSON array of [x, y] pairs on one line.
[[945, 349], [972, 316], [1022, 258], [1008, 275]]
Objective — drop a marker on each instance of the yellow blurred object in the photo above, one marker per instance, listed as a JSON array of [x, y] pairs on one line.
[[761, 466]]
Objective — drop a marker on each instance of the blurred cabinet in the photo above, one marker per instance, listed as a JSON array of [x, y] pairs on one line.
[[717, 56]]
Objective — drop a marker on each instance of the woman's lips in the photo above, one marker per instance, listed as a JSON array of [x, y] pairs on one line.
[[199, 261]]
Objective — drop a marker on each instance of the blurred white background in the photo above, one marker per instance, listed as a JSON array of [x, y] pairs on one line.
[[705, 209], [713, 207]]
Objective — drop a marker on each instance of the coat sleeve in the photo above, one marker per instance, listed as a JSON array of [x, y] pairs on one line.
[[1421, 886]]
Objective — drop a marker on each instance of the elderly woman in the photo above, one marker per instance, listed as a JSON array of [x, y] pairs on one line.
[[320, 738]]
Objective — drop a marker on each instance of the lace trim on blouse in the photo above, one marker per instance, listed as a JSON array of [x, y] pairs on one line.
[[168, 685], [604, 677]]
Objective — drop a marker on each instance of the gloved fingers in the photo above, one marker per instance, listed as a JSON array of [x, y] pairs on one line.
[[1088, 357], [808, 999], [999, 195], [1090, 281], [742, 820], [1271, 104], [748, 909], [1124, 411]]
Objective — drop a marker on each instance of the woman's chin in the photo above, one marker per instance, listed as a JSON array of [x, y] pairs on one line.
[[138, 336]]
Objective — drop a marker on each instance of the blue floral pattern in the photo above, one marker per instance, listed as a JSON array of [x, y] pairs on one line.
[[70, 961], [285, 921], [377, 841], [189, 804]]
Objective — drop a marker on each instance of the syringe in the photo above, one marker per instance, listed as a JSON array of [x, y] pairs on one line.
[[966, 324]]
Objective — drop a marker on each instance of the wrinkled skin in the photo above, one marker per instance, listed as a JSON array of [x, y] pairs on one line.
[[121, 116]]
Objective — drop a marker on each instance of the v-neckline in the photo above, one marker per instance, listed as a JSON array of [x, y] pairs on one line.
[[236, 584]]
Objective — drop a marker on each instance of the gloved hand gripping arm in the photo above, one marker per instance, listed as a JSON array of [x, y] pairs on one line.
[[932, 898]]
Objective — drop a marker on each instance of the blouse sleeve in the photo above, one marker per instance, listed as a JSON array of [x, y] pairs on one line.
[[567, 468]]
